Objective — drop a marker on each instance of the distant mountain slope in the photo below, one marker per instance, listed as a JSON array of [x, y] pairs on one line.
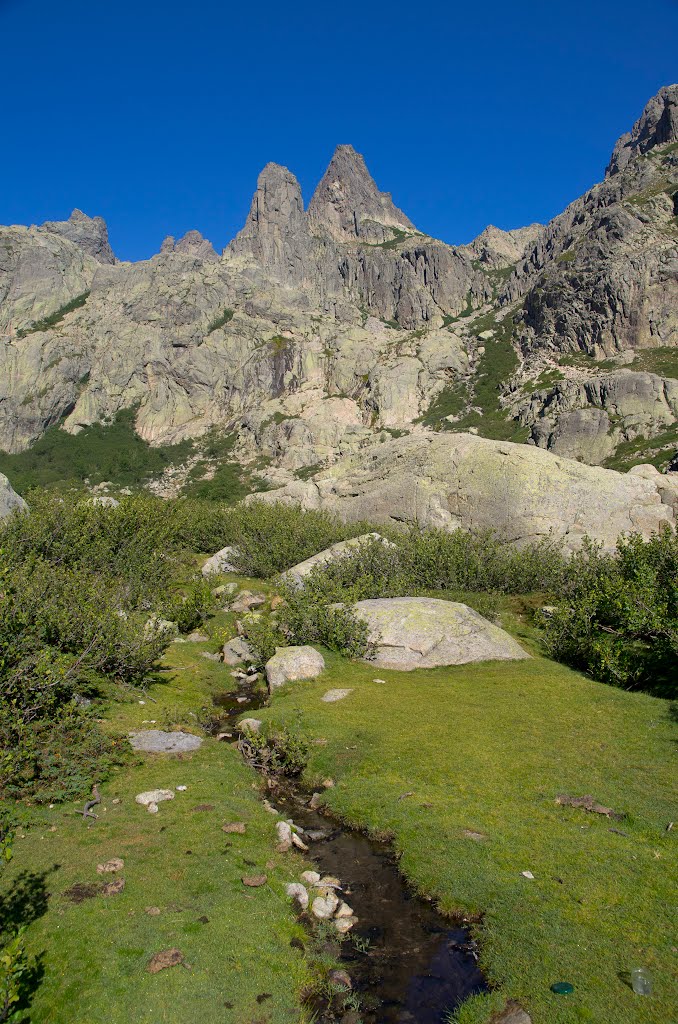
[[317, 332]]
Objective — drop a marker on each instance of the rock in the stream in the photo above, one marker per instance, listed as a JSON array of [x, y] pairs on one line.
[[332, 554], [289, 663], [284, 830], [222, 561], [310, 877], [237, 650], [155, 741], [298, 892], [423, 632], [323, 907], [344, 924], [334, 695]]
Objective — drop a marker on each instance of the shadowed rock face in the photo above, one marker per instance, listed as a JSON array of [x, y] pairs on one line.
[[347, 205]]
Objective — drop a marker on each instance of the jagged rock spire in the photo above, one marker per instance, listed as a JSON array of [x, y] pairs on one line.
[[90, 233], [348, 206], [191, 244], [656, 126], [276, 221]]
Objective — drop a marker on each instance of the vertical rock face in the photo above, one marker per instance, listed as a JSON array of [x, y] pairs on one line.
[[348, 206], [275, 233], [656, 126], [90, 233]]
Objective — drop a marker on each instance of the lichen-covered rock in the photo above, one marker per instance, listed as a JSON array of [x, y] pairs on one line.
[[521, 492], [423, 632], [9, 499], [236, 651], [290, 663]]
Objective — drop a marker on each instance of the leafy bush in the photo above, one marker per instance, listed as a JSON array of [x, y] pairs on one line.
[[618, 617], [190, 607], [279, 752]]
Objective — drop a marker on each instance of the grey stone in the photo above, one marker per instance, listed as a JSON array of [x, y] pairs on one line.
[[155, 741], [423, 632], [332, 554], [290, 663], [334, 695], [237, 650], [9, 499], [220, 562]]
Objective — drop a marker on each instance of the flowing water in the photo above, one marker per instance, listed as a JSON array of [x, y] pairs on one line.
[[408, 963]]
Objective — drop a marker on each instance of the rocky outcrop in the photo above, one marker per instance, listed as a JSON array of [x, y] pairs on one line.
[[496, 248], [9, 499], [656, 126], [89, 233], [191, 244], [423, 632], [587, 419], [348, 206], [454, 481]]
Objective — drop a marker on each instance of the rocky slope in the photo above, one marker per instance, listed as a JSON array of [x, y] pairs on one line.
[[317, 331]]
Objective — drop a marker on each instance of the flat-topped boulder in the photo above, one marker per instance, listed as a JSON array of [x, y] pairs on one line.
[[290, 663], [155, 741], [332, 554], [424, 632]]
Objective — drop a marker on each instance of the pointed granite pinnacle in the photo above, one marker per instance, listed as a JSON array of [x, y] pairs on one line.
[[348, 206]]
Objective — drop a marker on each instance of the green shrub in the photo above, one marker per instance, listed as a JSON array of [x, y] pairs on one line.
[[52, 319], [279, 752], [189, 607], [618, 616]]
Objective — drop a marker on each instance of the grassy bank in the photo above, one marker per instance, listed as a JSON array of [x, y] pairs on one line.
[[429, 756], [240, 966]]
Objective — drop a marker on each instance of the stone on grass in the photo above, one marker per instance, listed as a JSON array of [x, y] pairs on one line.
[[196, 637], [290, 663], [222, 561], [113, 888], [310, 877], [334, 553], [236, 651], [226, 590], [112, 865], [155, 741], [284, 830], [334, 695], [424, 632], [247, 600], [250, 725], [167, 958], [210, 656], [152, 798], [238, 827], [254, 881], [512, 1013], [340, 978], [298, 892]]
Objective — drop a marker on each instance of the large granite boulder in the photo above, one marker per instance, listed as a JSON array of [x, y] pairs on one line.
[[220, 562], [454, 480], [423, 632], [289, 663], [334, 553], [9, 499]]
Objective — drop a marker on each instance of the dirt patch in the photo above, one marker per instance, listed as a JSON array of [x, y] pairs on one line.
[[82, 891]]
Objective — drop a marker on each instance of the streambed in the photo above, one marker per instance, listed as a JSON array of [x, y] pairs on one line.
[[408, 963]]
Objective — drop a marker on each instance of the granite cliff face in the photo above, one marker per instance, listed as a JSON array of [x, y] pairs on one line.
[[319, 332]]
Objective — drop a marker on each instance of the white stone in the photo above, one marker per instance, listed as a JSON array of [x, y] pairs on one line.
[[222, 561], [334, 695], [290, 663]]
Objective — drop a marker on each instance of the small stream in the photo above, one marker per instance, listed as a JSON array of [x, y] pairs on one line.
[[408, 963]]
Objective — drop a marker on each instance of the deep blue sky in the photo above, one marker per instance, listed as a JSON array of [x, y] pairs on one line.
[[159, 115]]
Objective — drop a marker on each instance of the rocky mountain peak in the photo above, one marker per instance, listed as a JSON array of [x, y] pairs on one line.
[[90, 233], [347, 205], [191, 244], [275, 219], [656, 126]]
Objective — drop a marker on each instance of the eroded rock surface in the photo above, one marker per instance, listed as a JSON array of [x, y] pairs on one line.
[[10, 501]]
